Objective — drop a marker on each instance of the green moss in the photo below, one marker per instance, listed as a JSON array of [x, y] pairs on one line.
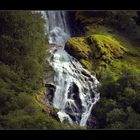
[[115, 70], [96, 52], [132, 47], [107, 46], [88, 65], [97, 29], [79, 47]]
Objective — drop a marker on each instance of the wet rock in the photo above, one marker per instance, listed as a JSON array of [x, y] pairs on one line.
[[51, 90], [73, 113], [92, 122], [84, 73], [74, 94]]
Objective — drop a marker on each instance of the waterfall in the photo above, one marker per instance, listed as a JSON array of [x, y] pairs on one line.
[[76, 89], [58, 27]]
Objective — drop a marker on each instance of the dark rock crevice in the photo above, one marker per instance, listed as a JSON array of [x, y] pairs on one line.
[[51, 90]]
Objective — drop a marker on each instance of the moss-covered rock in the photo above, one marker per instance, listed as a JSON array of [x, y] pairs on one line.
[[79, 47], [81, 50], [95, 52], [106, 47]]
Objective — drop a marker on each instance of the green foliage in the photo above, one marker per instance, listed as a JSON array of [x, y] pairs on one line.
[[23, 44], [104, 106], [19, 119], [116, 115], [133, 120], [23, 65], [119, 104], [124, 21]]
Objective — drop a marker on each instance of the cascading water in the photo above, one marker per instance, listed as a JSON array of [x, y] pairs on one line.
[[75, 92], [58, 28]]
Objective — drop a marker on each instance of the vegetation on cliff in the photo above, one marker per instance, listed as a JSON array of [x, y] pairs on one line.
[[23, 66], [110, 49], [119, 104]]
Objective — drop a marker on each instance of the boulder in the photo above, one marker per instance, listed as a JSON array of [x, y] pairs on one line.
[[95, 52]]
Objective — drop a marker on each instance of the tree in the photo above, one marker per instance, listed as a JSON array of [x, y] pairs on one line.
[[133, 120], [116, 115]]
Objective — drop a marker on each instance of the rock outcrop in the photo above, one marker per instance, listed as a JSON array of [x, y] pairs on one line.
[[95, 52]]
